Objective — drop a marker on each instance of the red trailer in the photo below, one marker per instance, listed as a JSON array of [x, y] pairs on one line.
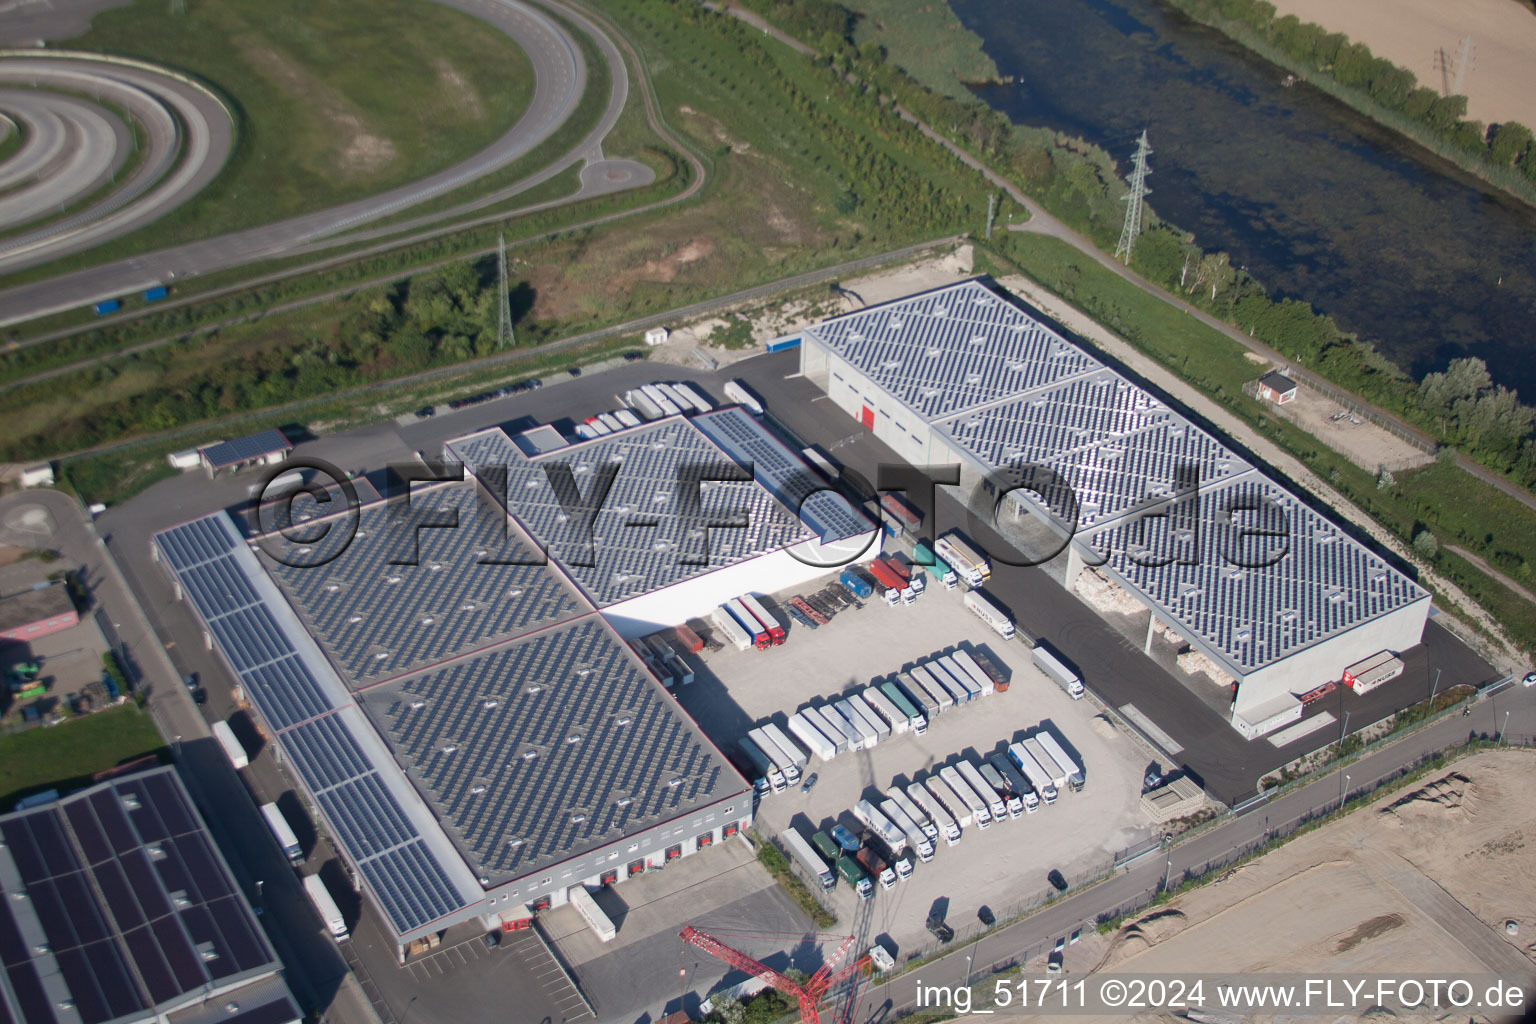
[[884, 576], [687, 639], [901, 512], [771, 624], [901, 571]]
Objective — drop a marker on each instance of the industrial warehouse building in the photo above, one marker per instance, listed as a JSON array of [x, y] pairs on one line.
[[1154, 513], [465, 714]]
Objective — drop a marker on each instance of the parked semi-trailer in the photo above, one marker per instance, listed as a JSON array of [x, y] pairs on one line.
[[1053, 666], [968, 796], [691, 395], [1364, 676], [1046, 761], [989, 665], [762, 762], [901, 513], [930, 805], [662, 402], [736, 391], [1038, 777], [903, 704], [937, 672], [790, 747], [942, 791], [935, 566], [829, 727], [995, 804], [1018, 782], [326, 907], [1013, 802], [802, 852], [749, 622], [283, 833], [1066, 762], [626, 417], [987, 611], [939, 694], [771, 624], [826, 846], [811, 736], [867, 735], [601, 924], [897, 720], [881, 826], [969, 666], [887, 578], [963, 559], [914, 813], [730, 628], [855, 876], [232, 748], [909, 828], [610, 421], [917, 695], [642, 403], [854, 583], [877, 868], [781, 760], [870, 717], [961, 676], [839, 721]]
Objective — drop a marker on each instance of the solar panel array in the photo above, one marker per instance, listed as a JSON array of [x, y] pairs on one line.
[[553, 745], [783, 474], [134, 906], [642, 539], [244, 449], [1324, 584], [1010, 391], [216, 572], [471, 585]]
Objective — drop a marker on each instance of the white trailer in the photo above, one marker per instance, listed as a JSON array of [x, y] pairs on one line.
[[1365, 676], [962, 558], [919, 693], [809, 859], [837, 720], [867, 736], [736, 391], [782, 761], [610, 421], [919, 794], [789, 746], [762, 762], [772, 625], [898, 817], [624, 416], [585, 432], [283, 833], [232, 748], [1013, 801], [729, 628], [975, 671], [1054, 667], [881, 826], [1047, 762], [896, 719], [994, 800], [967, 795], [867, 712], [983, 608], [959, 694], [914, 813], [829, 727], [946, 795], [598, 427], [670, 392], [1038, 777], [939, 694], [1064, 761], [961, 676], [586, 906], [811, 736], [642, 403], [1020, 784], [692, 396], [326, 907], [660, 400]]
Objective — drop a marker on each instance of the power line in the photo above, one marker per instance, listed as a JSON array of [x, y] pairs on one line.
[[1139, 191], [504, 337]]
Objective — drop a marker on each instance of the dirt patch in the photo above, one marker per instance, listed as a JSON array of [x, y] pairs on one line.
[[458, 90], [358, 152], [662, 268], [1367, 930], [1359, 440]]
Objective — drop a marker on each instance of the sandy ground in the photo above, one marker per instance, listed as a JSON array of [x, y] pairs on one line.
[[1501, 83], [1422, 881], [1361, 441]]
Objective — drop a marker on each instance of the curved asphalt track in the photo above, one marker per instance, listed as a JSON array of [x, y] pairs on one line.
[[560, 79]]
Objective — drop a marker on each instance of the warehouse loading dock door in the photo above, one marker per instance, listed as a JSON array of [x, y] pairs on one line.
[[867, 417]]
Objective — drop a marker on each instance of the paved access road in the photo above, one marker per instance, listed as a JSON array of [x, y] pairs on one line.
[[560, 80]]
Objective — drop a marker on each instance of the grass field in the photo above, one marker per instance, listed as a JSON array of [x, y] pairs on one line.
[[335, 99], [66, 756], [928, 41]]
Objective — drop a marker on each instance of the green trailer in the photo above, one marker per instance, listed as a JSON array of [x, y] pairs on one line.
[[826, 846], [855, 876], [935, 566]]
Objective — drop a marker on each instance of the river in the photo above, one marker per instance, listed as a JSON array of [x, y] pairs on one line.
[[1316, 201]]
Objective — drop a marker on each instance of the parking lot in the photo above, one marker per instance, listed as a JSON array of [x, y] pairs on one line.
[[999, 868]]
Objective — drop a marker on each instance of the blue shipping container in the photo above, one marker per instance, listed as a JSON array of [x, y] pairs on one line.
[[784, 343], [854, 584], [107, 306], [156, 293]]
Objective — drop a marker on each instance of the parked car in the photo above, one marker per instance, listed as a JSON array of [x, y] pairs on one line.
[[632, 357], [1053, 962], [940, 930], [426, 412], [199, 696], [1529, 680], [1056, 879], [189, 680], [810, 780], [985, 916], [492, 940], [574, 371]]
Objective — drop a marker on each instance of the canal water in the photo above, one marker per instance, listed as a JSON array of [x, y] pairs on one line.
[[1316, 201]]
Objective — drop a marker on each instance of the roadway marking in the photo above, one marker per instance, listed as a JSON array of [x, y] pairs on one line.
[[1168, 743], [441, 961], [552, 977]]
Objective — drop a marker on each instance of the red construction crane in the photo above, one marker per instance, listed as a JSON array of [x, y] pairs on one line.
[[807, 996]]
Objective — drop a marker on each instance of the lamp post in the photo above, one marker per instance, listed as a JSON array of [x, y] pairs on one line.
[[1343, 784], [1434, 689], [1503, 727], [968, 958]]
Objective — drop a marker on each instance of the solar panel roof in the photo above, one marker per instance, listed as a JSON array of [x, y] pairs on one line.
[[549, 746], [244, 449], [645, 536], [128, 905]]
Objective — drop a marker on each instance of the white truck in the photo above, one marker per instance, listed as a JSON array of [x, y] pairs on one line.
[[1012, 801], [729, 628], [938, 693], [736, 391], [896, 719], [231, 744], [811, 861], [994, 800], [945, 794], [918, 816], [780, 760], [867, 735], [1053, 666], [881, 826], [918, 793], [789, 746], [961, 676], [987, 611], [1069, 766], [1020, 784], [867, 713], [1037, 776], [283, 833], [1047, 762], [898, 817], [762, 762], [968, 796], [326, 907], [975, 671], [828, 726], [964, 559], [811, 736]]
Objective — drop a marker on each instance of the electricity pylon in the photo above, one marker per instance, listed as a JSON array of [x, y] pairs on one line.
[[1139, 191], [504, 324]]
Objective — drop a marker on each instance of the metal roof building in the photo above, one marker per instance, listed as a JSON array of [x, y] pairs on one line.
[[264, 448], [120, 908], [963, 375]]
